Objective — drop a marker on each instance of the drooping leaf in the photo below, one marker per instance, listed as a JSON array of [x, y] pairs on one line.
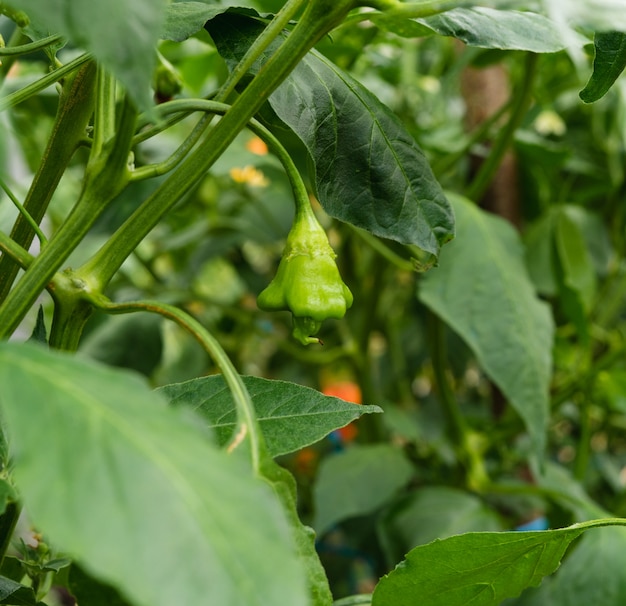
[[290, 416], [482, 291], [104, 465], [358, 481], [609, 62], [481, 569], [485, 28], [121, 35], [369, 171], [429, 513]]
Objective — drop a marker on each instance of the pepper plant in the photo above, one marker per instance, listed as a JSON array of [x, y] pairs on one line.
[[489, 354]]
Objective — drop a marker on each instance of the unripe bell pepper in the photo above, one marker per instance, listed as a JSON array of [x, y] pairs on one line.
[[307, 282]]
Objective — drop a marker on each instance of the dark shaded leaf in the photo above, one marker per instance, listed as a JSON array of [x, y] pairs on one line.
[[369, 171], [608, 64]]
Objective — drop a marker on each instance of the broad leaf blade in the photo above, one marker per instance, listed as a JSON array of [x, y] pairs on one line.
[[490, 28], [104, 465], [369, 171], [357, 482], [290, 416], [121, 35], [608, 64], [482, 291], [481, 569]]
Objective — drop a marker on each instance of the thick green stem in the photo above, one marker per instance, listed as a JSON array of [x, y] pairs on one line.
[[105, 177], [522, 101], [318, 18], [75, 109]]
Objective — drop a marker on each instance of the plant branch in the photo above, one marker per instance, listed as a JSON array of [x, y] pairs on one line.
[[73, 114], [247, 424], [43, 83], [316, 21], [20, 207], [32, 47], [20, 255]]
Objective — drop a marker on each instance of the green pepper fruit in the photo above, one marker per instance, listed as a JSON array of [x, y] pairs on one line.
[[307, 282]]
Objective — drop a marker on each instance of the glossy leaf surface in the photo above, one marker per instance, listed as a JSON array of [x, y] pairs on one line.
[[369, 171], [608, 64]]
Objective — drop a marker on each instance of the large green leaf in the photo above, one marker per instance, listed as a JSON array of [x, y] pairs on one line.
[[369, 171], [608, 64], [122, 35], [485, 28], [134, 491], [481, 569], [358, 481], [290, 416], [483, 292]]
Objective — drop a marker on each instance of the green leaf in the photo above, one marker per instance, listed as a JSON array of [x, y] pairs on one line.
[[106, 469], [430, 513], [482, 291], [121, 35], [481, 569], [17, 594], [540, 253], [357, 482], [88, 590], [369, 171], [608, 64], [39, 334], [490, 28], [184, 19], [290, 416], [576, 274]]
